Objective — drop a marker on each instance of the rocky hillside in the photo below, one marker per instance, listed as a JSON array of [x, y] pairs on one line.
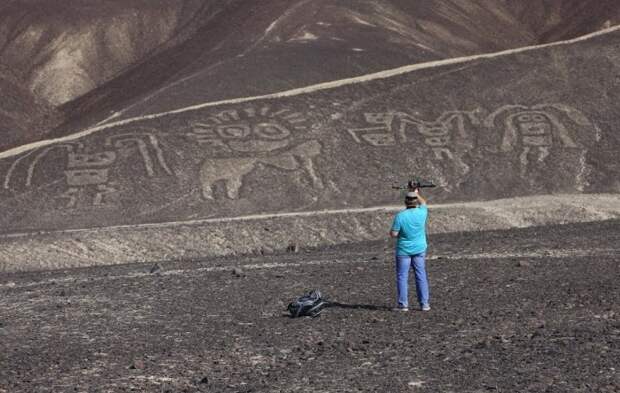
[[92, 60], [219, 143], [23, 117], [483, 128], [58, 51]]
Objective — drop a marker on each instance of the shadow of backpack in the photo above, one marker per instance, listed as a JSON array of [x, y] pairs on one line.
[[308, 305]]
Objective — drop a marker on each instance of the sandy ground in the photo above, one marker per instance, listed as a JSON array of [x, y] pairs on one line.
[[523, 310]]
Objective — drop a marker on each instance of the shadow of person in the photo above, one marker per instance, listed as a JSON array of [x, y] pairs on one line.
[[371, 307]]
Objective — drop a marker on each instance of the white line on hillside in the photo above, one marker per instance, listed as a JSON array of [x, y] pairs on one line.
[[542, 253], [304, 90], [497, 206], [251, 217]]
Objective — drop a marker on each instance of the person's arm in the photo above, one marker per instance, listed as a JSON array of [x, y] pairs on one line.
[[421, 199], [395, 227]]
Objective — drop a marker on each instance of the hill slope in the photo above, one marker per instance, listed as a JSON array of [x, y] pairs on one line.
[[129, 58], [482, 128], [529, 122], [268, 48], [23, 117]]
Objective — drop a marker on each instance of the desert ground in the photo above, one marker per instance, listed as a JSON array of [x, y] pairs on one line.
[[521, 310]]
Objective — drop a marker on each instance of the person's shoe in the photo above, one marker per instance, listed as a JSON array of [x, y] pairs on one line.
[[400, 308], [426, 307]]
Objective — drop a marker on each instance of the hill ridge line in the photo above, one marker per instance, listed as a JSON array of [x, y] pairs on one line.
[[307, 89], [500, 207]]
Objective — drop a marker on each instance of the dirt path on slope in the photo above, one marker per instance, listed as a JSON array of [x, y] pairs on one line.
[[271, 233]]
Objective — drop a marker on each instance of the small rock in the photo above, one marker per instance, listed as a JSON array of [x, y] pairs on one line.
[[486, 343], [534, 335], [137, 365], [415, 384], [204, 380], [523, 264], [155, 269], [237, 272], [265, 250]]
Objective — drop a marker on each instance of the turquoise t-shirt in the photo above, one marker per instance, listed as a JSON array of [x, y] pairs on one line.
[[411, 227]]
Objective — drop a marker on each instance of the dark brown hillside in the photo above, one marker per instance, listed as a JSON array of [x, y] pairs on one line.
[[553, 20], [58, 51], [482, 129], [62, 50], [130, 58], [23, 117], [263, 49]]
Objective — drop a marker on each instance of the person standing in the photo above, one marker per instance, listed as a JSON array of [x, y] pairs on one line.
[[409, 228]]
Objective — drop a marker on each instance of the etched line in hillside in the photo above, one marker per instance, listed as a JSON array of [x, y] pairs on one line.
[[603, 206], [7, 178], [213, 66], [252, 217], [305, 90], [353, 259]]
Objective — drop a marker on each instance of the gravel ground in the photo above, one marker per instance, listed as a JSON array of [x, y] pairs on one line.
[[525, 310]]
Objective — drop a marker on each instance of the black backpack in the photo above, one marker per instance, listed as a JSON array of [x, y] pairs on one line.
[[309, 305]]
